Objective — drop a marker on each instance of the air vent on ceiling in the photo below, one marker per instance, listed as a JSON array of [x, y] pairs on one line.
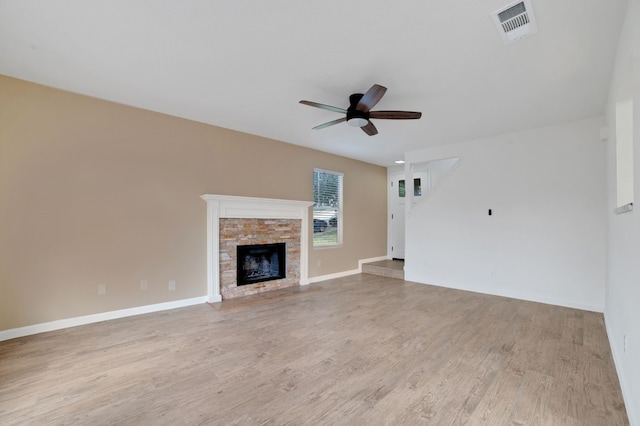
[[515, 21]]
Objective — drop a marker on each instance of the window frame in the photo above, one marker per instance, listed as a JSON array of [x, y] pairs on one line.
[[339, 212]]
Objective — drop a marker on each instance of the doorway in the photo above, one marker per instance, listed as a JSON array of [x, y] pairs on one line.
[[421, 183], [397, 200]]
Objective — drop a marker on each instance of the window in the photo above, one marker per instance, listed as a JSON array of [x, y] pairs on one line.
[[417, 188], [327, 208]]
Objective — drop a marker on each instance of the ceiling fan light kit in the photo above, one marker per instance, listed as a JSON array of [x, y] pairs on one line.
[[357, 122], [359, 112]]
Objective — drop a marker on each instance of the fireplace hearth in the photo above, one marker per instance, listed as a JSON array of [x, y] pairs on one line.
[[261, 262]]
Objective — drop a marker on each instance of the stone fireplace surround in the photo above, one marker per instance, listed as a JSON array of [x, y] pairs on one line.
[[234, 207], [247, 232]]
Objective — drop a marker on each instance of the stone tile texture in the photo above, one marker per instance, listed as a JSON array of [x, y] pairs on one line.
[[234, 232]]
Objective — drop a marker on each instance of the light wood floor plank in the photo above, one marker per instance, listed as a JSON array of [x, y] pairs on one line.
[[356, 350]]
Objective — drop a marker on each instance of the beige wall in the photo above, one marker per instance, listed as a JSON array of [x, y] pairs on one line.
[[94, 192]]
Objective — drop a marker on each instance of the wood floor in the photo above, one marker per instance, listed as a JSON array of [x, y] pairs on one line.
[[357, 350]]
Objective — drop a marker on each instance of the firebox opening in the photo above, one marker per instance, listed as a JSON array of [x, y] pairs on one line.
[[261, 262]]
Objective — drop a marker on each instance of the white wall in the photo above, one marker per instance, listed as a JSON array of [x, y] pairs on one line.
[[546, 239], [435, 170], [622, 311], [431, 173]]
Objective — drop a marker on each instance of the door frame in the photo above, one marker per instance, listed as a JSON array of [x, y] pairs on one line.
[[392, 190], [408, 173]]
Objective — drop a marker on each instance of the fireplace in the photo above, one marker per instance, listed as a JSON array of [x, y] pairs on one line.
[[234, 221], [261, 262]]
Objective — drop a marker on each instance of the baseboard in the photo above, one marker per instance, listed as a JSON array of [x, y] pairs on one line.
[[346, 273], [544, 300], [616, 362], [333, 276], [104, 316], [371, 259]]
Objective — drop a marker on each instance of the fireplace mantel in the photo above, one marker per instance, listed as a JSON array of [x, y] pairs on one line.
[[234, 207]]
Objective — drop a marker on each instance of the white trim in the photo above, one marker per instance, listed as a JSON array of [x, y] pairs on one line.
[[616, 360], [90, 319], [234, 207], [346, 273], [369, 260], [319, 278], [518, 296]]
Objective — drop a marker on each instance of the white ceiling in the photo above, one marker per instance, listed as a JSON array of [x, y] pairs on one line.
[[245, 64]]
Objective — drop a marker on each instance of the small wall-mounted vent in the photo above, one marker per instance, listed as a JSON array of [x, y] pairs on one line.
[[515, 21]]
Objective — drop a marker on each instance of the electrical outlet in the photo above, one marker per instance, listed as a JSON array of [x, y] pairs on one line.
[[493, 274], [144, 284], [624, 343], [102, 289], [172, 285]]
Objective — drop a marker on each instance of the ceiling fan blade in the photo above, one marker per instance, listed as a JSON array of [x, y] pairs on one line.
[[371, 98], [395, 115], [330, 123], [323, 106], [370, 129]]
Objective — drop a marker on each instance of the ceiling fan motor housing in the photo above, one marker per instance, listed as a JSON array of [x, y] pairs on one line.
[[355, 117]]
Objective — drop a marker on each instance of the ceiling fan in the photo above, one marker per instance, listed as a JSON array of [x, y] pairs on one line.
[[358, 114]]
